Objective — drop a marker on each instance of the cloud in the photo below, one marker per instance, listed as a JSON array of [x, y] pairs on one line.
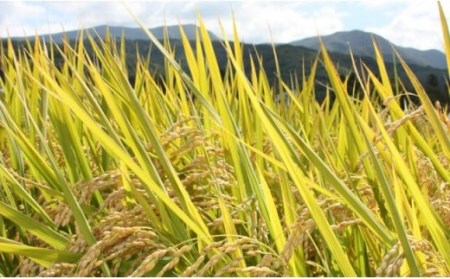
[[417, 25], [383, 3], [287, 21], [15, 16], [405, 22], [95, 12], [28, 17]]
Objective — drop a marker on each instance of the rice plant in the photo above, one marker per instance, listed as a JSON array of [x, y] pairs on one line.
[[206, 174]]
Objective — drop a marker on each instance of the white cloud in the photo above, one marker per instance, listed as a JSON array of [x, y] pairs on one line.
[[14, 14], [418, 25], [26, 18], [383, 3], [95, 12], [411, 23], [288, 21]]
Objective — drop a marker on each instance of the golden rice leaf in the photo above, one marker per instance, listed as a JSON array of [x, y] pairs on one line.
[[385, 91], [445, 34], [45, 233], [23, 194], [432, 224], [43, 256], [112, 147], [230, 230], [392, 205], [297, 176], [433, 117]]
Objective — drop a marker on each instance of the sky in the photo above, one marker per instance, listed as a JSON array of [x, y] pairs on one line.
[[409, 23]]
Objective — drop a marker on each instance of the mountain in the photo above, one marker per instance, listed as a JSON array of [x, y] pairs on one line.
[[291, 60], [130, 33], [361, 45], [294, 61]]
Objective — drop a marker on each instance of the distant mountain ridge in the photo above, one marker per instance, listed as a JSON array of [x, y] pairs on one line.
[[339, 42], [290, 58], [360, 43], [130, 33]]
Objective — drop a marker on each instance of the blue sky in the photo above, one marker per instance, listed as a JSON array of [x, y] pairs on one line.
[[412, 23]]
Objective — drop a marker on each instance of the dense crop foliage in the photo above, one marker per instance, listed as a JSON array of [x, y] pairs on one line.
[[208, 174]]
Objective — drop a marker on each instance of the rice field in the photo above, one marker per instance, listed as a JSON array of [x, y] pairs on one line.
[[205, 174]]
